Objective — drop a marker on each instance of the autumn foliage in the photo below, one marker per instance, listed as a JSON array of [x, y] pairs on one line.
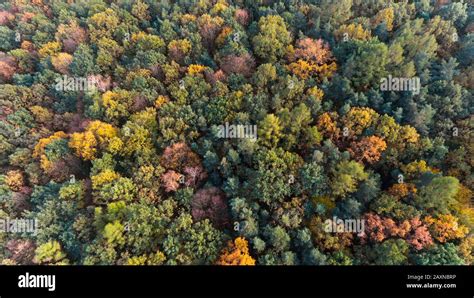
[[98, 135]]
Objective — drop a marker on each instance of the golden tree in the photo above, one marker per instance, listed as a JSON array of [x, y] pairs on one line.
[[368, 149]]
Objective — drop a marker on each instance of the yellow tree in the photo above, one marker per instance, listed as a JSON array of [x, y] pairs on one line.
[[98, 135], [195, 69], [236, 253]]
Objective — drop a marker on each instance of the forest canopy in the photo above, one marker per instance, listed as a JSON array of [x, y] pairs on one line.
[[236, 132]]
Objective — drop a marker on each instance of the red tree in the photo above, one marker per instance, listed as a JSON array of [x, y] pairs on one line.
[[420, 237]]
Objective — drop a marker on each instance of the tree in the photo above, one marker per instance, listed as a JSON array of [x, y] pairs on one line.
[[313, 179], [243, 64], [103, 24], [269, 131], [40, 148], [98, 135], [271, 182], [178, 49], [346, 176], [209, 27], [83, 62], [352, 31], [7, 38], [368, 149], [210, 203], [446, 227], [140, 10], [6, 17], [446, 254], [61, 62], [171, 180], [15, 180], [402, 190], [22, 251], [50, 253], [328, 126], [177, 156], [391, 252], [273, 38], [113, 233], [357, 120], [384, 16], [7, 68], [117, 104], [328, 241], [236, 253], [278, 238], [242, 16], [265, 74], [302, 69], [420, 237], [414, 230], [70, 35], [438, 195], [335, 13], [311, 50], [366, 66], [50, 49]]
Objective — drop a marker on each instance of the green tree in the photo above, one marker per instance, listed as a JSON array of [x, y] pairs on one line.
[[269, 131]]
